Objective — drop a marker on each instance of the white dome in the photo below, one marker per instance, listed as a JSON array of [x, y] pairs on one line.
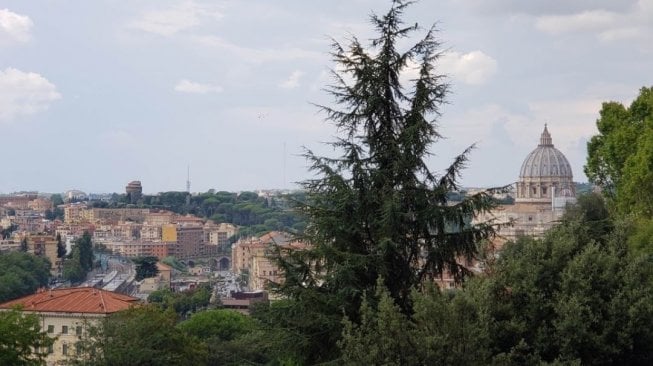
[[545, 161]]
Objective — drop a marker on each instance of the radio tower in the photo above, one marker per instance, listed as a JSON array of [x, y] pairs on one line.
[[188, 180]]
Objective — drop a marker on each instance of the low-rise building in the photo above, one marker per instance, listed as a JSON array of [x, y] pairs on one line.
[[66, 313]]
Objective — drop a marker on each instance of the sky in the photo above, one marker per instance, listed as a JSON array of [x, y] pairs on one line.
[[94, 94]]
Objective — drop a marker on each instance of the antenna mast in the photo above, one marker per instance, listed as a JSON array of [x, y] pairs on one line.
[[188, 180]]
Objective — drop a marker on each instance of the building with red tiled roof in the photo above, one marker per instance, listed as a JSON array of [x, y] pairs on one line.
[[64, 313]]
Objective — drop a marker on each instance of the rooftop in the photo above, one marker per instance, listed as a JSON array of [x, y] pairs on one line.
[[73, 300]]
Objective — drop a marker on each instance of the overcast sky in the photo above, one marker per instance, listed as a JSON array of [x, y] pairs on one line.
[[94, 94]]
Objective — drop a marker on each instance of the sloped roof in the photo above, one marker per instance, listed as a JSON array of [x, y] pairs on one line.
[[73, 300]]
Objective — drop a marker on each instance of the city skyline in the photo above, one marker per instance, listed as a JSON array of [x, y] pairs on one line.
[[94, 95]]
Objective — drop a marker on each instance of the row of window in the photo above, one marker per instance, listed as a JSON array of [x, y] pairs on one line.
[[65, 349], [64, 329]]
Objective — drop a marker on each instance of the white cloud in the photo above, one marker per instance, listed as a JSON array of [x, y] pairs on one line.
[[187, 86], [14, 27], [471, 68], [24, 93], [176, 19], [585, 21], [630, 23], [293, 80]]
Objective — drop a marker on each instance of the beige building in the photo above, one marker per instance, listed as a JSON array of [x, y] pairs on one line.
[[76, 213], [544, 189], [252, 256], [65, 314]]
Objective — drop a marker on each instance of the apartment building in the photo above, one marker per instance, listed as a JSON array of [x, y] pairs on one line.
[[253, 257], [188, 240]]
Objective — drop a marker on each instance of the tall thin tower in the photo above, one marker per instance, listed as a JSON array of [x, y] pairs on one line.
[[188, 180]]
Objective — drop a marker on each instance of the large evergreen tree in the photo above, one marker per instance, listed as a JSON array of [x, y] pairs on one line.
[[378, 210]]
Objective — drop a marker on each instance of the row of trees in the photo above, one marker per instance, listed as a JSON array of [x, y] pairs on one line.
[[254, 213]]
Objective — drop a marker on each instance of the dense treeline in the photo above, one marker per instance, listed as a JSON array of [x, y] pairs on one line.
[[254, 213], [578, 296], [22, 274]]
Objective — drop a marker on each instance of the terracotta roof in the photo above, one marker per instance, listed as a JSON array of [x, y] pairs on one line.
[[73, 300]]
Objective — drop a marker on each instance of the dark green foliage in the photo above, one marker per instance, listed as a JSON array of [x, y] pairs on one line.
[[56, 200], [85, 247], [22, 274], [22, 343], [220, 324], [232, 338], [575, 297], [23, 245], [182, 303], [61, 247], [377, 210], [382, 337], [174, 263], [446, 329], [140, 336], [145, 267], [80, 259], [6, 232], [72, 268], [619, 157]]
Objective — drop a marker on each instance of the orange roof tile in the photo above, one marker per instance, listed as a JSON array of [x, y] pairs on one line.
[[73, 300]]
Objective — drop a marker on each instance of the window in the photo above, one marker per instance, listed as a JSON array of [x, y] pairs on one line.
[[64, 329], [50, 349], [64, 349], [50, 328], [543, 190], [78, 330]]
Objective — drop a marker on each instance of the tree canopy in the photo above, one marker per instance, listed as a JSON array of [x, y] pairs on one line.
[[22, 342], [377, 210], [22, 274], [575, 297], [140, 336], [619, 157], [145, 267]]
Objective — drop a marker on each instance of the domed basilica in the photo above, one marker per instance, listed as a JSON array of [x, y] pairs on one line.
[[544, 189]]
